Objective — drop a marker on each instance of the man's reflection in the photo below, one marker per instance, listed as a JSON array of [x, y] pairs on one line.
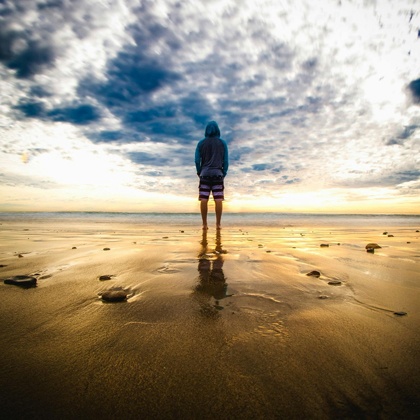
[[212, 285]]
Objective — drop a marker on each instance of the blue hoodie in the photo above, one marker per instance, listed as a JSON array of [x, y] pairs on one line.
[[211, 154]]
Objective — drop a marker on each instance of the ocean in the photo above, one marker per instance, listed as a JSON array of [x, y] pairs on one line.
[[229, 219]]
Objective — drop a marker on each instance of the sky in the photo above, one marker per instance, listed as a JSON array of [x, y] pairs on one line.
[[102, 104]]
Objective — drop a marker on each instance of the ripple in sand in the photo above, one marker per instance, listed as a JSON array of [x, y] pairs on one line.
[[167, 269]]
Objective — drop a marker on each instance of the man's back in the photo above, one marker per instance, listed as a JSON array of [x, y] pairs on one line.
[[211, 155], [212, 152]]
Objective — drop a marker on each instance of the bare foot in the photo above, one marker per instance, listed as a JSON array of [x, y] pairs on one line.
[[218, 227], [205, 227]]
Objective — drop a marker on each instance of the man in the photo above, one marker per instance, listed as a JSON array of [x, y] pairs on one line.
[[211, 162]]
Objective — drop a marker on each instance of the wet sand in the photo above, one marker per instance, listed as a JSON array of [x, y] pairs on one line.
[[214, 326]]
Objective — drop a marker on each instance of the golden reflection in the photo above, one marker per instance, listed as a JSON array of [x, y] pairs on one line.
[[212, 286]]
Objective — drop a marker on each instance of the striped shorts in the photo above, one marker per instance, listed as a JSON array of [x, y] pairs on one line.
[[211, 184]]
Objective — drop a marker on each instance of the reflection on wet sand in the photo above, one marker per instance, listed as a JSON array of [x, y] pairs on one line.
[[212, 286]]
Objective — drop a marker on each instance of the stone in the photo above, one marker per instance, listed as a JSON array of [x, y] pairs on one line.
[[22, 281], [385, 233], [390, 236], [105, 277], [74, 247], [114, 296], [400, 313], [370, 250], [107, 249], [323, 297], [334, 283], [324, 245], [372, 246], [314, 273]]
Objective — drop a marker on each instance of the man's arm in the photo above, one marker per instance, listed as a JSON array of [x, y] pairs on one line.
[[198, 158], [225, 159]]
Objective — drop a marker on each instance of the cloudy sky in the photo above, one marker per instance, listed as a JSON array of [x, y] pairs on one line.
[[102, 103]]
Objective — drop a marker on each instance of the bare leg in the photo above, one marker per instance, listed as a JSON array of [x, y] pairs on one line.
[[219, 211], [204, 210]]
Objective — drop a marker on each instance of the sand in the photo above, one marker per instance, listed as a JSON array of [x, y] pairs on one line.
[[214, 325]]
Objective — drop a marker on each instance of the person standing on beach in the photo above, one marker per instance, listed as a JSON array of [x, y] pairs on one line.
[[211, 162]]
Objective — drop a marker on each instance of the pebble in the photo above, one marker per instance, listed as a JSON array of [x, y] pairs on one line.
[[385, 233], [370, 250], [390, 236], [323, 297], [23, 281], [107, 249], [400, 313], [334, 283], [372, 246], [314, 273], [324, 245], [74, 247], [105, 277], [114, 296]]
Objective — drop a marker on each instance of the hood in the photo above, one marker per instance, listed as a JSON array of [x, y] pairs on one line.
[[212, 129]]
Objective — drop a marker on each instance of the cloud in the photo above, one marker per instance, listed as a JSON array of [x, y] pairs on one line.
[[308, 98], [414, 88]]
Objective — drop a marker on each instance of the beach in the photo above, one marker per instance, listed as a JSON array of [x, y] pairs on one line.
[[211, 324]]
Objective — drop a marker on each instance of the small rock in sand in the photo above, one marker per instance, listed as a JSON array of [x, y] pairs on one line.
[[114, 296], [322, 297], [105, 277], [334, 283], [314, 273], [390, 236], [20, 256], [385, 233], [22, 281], [74, 247], [2, 265], [107, 249], [372, 246], [324, 245], [400, 313], [370, 250]]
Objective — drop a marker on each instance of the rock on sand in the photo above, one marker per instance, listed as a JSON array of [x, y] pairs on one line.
[[22, 281], [114, 296]]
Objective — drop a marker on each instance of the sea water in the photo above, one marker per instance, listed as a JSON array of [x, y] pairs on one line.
[[229, 219]]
